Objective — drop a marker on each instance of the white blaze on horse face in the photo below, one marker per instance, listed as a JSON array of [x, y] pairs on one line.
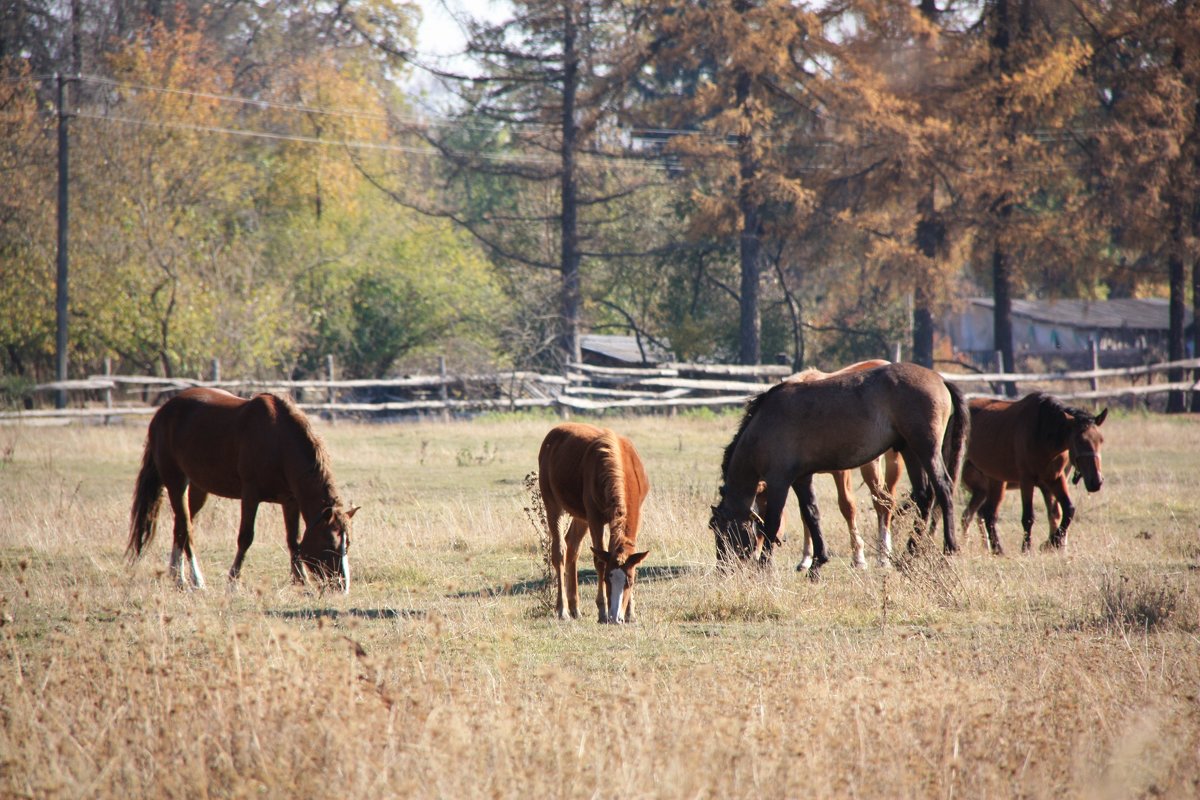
[[617, 583], [345, 574]]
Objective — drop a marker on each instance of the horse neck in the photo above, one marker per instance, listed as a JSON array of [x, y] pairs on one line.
[[312, 487], [739, 487]]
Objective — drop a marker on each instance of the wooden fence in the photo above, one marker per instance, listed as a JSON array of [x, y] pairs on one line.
[[583, 388]]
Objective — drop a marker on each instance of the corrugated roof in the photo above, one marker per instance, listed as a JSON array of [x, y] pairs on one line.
[[622, 348], [1151, 314]]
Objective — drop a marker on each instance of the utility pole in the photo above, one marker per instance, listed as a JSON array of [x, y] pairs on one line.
[[60, 300]]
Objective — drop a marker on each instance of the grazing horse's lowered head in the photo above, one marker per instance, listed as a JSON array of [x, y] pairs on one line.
[[739, 537], [326, 544], [1084, 442], [619, 574]]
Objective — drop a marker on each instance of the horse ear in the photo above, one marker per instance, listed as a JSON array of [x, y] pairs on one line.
[[327, 514], [1103, 415], [600, 553], [353, 510], [636, 559]]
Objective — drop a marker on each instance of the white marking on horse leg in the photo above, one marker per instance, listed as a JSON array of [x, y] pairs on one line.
[[885, 544], [176, 563], [856, 543], [197, 577], [806, 559]]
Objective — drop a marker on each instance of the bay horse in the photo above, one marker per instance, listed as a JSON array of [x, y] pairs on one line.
[[794, 430], [883, 491], [595, 476], [263, 450], [1030, 443]]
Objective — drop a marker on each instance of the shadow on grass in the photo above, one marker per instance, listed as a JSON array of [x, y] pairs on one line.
[[586, 577], [355, 613]]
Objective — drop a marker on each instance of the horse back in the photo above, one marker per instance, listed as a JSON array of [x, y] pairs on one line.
[[221, 443], [1005, 444], [575, 469]]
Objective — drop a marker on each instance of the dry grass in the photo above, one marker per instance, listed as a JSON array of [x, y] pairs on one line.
[[442, 675]]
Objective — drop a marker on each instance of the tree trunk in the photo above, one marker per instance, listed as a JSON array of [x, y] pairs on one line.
[[571, 293], [930, 236], [1177, 306], [1002, 313], [750, 321]]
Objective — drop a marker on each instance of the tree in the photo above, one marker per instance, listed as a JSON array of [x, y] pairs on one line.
[[537, 124]]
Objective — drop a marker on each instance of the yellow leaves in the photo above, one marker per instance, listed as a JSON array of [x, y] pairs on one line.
[[1045, 78]]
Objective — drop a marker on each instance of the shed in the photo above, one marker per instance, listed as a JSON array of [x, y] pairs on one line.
[[606, 350], [1124, 330]]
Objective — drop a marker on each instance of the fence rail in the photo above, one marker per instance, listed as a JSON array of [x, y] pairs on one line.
[[584, 387]]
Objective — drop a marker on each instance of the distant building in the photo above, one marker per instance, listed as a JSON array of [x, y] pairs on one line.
[[603, 350], [1126, 331]]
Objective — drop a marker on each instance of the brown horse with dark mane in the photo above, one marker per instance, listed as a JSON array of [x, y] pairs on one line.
[[882, 488], [263, 450], [596, 477], [794, 430], [1030, 443]]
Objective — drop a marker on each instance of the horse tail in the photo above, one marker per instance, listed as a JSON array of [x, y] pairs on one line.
[[613, 478], [147, 498], [954, 445]]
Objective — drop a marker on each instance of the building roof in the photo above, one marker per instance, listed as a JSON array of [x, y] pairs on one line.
[[1151, 314], [622, 348]]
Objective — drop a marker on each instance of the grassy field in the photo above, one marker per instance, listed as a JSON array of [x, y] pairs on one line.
[[443, 674]]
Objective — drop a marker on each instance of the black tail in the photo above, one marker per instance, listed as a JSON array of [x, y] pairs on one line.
[[147, 497], [954, 444]]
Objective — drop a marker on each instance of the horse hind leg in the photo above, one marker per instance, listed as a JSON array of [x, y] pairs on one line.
[[845, 493], [177, 492]]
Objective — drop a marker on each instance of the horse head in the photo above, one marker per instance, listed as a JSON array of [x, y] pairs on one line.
[[1084, 448], [326, 544], [619, 577], [737, 539]]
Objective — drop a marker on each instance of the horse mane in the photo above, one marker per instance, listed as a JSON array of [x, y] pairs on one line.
[[1050, 423], [613, 480], [311, 443], [752, 407]]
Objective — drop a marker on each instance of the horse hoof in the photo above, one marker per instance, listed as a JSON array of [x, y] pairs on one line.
[[814, 575], [803, 565], [860, 563]]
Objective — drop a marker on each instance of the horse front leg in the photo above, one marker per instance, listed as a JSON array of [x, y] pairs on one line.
[[575, 533], [246, 536], [1059, 538], [596, 526], [291, 528], [812, 520]]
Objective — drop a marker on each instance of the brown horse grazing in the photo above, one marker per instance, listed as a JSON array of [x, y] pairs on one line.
[[883, 493], [794, 430], [207, 441], [1031, 442], [596, 477]]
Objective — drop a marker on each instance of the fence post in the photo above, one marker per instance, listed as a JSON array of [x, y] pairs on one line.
[[216, 370], [108, 389], [1095, 348], [444, 392], [329, 394]]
